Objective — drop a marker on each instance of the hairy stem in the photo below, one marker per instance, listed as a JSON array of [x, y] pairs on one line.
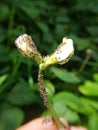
[[43, 94], [42, 88]]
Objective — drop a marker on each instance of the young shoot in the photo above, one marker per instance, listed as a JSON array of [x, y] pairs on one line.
[[61, 55]]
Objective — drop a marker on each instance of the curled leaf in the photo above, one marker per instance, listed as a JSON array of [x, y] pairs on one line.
[[27, 47], [61, 55], [64, 51]]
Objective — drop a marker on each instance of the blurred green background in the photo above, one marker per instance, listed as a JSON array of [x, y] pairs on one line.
[[72, 88]]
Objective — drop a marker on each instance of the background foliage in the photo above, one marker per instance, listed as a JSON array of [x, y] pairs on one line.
[[73, 87]]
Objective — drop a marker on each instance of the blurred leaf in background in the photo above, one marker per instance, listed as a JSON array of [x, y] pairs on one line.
[[73, 92], [10, 117]]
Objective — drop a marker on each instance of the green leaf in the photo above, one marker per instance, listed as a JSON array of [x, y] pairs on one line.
[[78, 105], [95, 77], [61, 18], [93, 30], [42, 26], [91, 104], [31, 82], [93, 122], [2, 37], [3, 78], [89, 88], [45, 113], [63, 111], [88, 106], [50, 89], [4, 12], [48, 37], [59, 29], [64, 75], [94, 9], [84, 5], [69, 99], [32, 12], [22, 94], [10, 118], [4, 56]]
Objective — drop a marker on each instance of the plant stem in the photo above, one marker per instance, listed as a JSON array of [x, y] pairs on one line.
[[88, 56], [46, 101], [42, 88]]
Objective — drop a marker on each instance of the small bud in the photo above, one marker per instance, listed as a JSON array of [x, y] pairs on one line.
[[26, 46], [89, 51]]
